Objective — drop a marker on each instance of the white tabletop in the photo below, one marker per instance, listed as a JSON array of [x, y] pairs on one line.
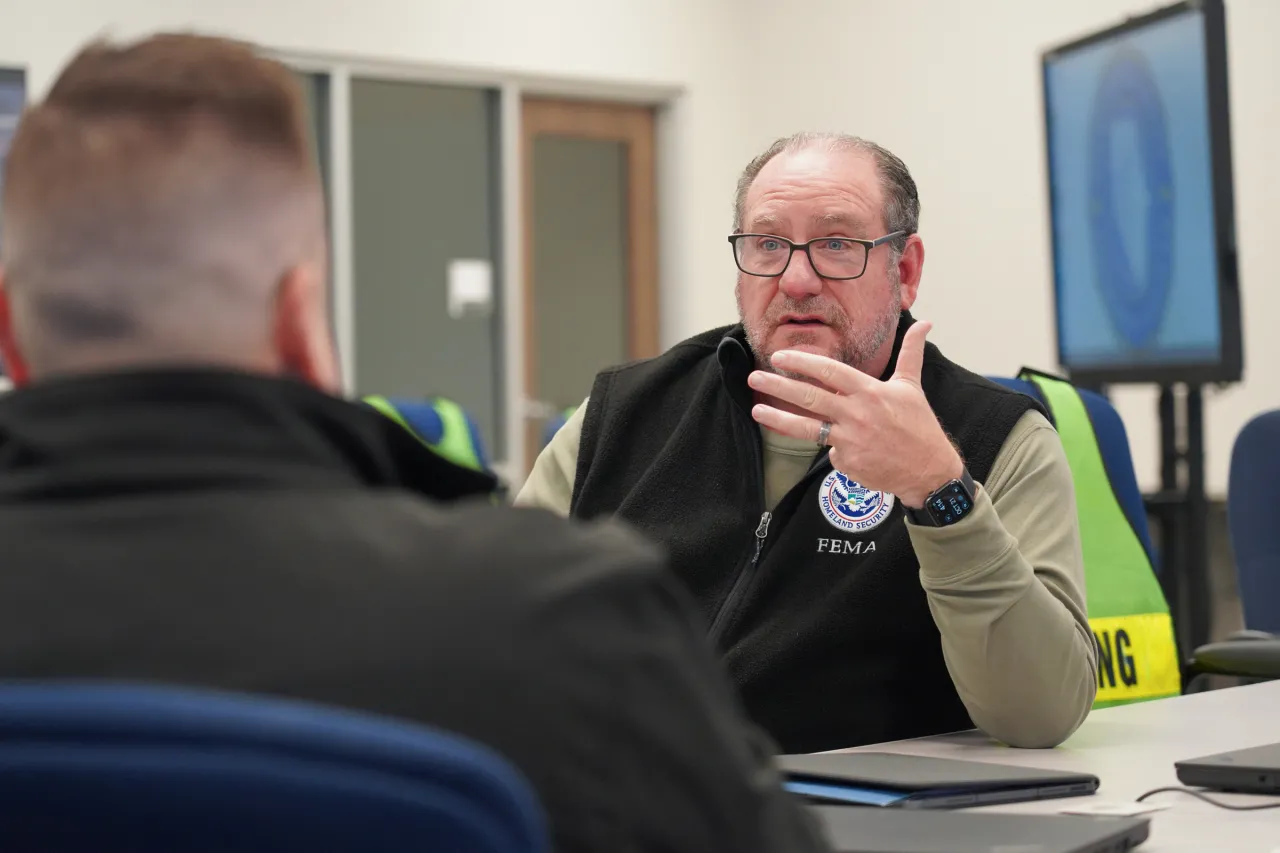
[[1132, 748]]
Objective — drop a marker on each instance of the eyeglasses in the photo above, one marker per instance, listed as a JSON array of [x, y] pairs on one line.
[[839, 258]]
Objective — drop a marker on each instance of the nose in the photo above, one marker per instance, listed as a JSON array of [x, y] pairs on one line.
[[799, 280]]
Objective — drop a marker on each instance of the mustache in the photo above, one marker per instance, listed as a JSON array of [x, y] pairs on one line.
[[830, 314]]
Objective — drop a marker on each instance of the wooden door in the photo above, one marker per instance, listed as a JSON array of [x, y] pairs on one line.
[[591, 288]]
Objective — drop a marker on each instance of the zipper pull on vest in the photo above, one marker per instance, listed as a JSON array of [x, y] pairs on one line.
[[762, 531]]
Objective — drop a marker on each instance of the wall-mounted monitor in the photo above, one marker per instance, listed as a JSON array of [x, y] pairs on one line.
[[13, 99], [1141, 201]]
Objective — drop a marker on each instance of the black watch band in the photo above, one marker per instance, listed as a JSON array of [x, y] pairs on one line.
[[948, 505]]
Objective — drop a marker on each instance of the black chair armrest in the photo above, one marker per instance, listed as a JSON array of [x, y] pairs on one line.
[[1254, 657], [1250, 634]]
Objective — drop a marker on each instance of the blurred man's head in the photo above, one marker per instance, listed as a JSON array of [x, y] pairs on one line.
[[835, 190], [161, 208]]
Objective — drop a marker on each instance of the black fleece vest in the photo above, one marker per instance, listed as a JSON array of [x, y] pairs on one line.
[[823, 626]]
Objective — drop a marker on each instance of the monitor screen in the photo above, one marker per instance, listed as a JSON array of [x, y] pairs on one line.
[[1134, 172], [13, 97]]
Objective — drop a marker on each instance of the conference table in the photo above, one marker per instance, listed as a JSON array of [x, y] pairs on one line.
[[1132, 748]]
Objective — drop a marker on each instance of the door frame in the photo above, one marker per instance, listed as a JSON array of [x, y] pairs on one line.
[[633, 125], [512, 88]]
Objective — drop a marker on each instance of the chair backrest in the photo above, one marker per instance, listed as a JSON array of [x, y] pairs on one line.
[[555, 423], [440, 423], [1132, 627], [1255, 534], [106, 767], [1113, 442]]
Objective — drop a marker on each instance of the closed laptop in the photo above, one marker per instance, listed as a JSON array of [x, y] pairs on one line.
[[1255, 770], [912, 781], [853, 829]]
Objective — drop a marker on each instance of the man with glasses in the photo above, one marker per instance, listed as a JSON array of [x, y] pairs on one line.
[[884, 544]]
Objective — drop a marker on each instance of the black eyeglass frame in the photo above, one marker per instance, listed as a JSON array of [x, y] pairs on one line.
[[804, 247]]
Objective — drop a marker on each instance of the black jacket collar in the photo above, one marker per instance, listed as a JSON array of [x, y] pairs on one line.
[[198, 429]]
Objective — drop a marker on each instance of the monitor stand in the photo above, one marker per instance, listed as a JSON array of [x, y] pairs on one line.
[[1182, 508]]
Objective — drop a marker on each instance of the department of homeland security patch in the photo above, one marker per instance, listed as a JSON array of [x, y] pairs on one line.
[[849, 506]]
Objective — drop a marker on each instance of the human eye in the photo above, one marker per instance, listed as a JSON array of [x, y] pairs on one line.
[[835, 244], [768, 244]]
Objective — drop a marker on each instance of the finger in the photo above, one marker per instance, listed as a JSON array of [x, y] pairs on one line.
[[835, 375], [803, 395], [911, 355], [785, 423]]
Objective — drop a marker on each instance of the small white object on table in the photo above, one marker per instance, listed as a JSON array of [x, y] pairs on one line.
[[1132, 749]]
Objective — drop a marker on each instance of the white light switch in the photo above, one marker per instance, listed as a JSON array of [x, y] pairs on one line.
[[470, 287]]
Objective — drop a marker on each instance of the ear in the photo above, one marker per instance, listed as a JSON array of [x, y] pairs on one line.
[[15, 366], [302, 339], [910, 269]]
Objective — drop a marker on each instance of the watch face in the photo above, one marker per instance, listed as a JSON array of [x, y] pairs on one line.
[[950, 503]]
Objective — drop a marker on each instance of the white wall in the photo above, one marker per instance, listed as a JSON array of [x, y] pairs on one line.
[[954, 89], [699, 45]]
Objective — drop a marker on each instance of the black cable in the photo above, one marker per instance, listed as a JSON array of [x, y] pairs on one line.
[[1200, 795]]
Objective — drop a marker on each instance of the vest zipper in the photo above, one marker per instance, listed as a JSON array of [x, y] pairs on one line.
[[762, 531], [740, 584], [743, 581], [747, 567]]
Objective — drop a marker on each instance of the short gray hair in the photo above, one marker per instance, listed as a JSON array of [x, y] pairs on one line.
[[152, 203], [901, 200]]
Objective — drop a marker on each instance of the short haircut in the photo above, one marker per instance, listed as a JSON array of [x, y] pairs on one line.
[[901, 200], [153, 201]]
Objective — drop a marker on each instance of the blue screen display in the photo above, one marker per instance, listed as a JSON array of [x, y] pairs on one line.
[[1135, 257], [13, 95]]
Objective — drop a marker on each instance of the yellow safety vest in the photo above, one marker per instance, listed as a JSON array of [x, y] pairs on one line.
[[455, 442], [1137, 652]]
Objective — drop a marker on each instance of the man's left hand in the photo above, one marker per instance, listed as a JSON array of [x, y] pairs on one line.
[[884, 435]]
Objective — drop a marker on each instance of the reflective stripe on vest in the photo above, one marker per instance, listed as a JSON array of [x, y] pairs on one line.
[[1137, 653], [455, 442]]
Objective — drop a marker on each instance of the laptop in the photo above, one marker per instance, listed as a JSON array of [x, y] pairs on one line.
[[918, 782], [1253, 771], [850, 829]]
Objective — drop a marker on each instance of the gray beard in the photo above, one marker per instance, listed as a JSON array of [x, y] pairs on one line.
[[857, 347]]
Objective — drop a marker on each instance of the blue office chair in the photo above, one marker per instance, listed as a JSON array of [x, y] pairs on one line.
[[555, 423], [1113, 443], [100, 767], [552, 426], [1255, 540], [1255, 536], [423, 418], [1232, 657]]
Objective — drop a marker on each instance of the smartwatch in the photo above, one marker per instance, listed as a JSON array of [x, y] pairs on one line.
[[946, 506]]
